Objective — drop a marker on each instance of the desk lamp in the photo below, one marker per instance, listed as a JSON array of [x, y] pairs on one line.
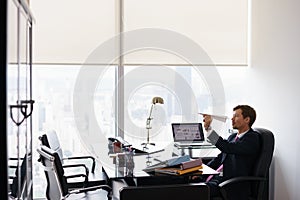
[[155, 100]]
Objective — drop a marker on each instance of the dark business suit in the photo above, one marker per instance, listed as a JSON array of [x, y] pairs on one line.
[[237, 157]]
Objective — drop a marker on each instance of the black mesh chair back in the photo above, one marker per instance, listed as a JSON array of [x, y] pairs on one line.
[[14, 186], [261, 169], [259, 179]]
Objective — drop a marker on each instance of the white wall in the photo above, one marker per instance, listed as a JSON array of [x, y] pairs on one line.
[[271, 85]]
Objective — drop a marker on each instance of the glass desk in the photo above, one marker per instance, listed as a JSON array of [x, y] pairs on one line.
[[120, 163], [124, 168]]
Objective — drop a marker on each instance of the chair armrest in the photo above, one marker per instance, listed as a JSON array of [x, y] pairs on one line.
[[105, 187], [77, 176], [83, 157], [78, 165], [16, 158], [241, 179], [237, 180]]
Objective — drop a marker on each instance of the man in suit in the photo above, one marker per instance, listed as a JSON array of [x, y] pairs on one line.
[[238, 152]]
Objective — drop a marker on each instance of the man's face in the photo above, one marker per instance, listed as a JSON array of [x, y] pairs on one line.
[[238, 121]]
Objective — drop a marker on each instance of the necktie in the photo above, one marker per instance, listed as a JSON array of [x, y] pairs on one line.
[[236, 138], [221, 166]]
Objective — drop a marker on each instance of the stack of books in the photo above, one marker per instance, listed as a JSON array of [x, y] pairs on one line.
[[182, 168]]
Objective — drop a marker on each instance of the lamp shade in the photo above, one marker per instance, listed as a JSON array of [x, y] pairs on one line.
[[156, 100]]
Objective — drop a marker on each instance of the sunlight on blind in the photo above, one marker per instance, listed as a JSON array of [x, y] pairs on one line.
[[68, 31], [219, 27]]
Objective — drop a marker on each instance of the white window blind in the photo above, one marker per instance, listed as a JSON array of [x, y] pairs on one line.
[[218, 26], [69, 31]]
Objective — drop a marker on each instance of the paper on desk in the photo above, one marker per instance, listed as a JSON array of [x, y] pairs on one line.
[[221, 118]]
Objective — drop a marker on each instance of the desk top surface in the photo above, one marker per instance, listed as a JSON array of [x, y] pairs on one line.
[[120, 163]]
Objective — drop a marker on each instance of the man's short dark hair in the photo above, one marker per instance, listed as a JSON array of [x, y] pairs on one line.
[[247, 111]]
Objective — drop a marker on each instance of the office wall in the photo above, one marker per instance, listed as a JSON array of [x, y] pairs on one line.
[[271, 85]]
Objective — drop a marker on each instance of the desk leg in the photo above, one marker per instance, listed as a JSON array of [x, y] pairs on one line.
[[130, 181]]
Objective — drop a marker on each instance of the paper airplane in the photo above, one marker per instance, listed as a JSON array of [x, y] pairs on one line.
[[221, 118]]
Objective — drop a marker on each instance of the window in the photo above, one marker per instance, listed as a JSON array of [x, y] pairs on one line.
[[81, 116], [176, 85]]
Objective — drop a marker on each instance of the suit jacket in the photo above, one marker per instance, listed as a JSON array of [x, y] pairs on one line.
[[238, 158]]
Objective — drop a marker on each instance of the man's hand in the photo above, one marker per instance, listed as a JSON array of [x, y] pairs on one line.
[[207, 119]]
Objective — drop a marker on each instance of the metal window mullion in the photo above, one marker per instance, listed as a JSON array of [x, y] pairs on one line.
[[119, 81], [18, 98], [30, 97]]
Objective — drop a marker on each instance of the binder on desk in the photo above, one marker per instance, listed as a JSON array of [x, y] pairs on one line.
[[191, 164], [177, 166], [177, 171], [173, 162], [178, 160]]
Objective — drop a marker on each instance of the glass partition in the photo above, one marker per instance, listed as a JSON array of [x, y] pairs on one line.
[[19, 100]]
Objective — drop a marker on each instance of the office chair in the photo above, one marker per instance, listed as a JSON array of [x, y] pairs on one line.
[[14, 179], [57, 186], [259, 180], [50, 140], [162, 192]]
